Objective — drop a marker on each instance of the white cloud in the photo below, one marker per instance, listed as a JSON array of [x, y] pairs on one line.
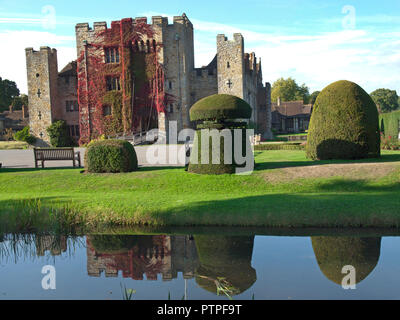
[[13, 62]]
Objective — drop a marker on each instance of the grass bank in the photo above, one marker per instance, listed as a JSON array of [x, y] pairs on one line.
[[285, 190]]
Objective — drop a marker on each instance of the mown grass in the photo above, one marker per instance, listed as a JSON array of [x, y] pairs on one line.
[[67, 199], [10, 145]]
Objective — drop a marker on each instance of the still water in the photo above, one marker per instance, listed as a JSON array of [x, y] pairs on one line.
[[203, 266]]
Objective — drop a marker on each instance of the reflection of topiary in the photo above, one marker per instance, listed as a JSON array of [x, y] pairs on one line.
[[225, 262], [344, 124], [333, 253], [216, 114], [111, 156]]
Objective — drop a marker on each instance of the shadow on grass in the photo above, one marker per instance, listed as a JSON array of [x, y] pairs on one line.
[[286, 164]]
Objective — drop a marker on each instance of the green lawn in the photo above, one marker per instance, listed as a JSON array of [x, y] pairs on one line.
[[9, 145], [285, 190]]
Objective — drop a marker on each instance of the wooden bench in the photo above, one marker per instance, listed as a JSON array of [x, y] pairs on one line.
[[56, 154]]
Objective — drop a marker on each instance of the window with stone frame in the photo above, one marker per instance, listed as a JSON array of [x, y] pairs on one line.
[[113, 83], [170, 108], [71, 106], [111, 54]]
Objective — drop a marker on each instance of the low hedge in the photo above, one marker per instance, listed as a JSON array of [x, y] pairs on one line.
[[111, 156], [279, 146]]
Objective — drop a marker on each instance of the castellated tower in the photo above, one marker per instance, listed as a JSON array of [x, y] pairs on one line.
[[230, 55], [42, 70]]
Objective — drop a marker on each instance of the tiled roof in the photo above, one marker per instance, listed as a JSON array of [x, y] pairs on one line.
[[292, 108], [69, 69]]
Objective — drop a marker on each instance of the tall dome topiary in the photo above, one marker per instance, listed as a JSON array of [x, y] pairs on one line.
[[218, 115], [344, 124], [333, 253]]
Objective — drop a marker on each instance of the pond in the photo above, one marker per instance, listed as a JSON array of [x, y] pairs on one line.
[[202, 266]]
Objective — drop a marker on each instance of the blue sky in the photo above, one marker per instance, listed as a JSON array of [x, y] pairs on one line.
[[316, 42]]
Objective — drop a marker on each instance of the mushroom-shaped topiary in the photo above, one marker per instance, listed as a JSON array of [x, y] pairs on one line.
[[225, 264], [217, 117], [344, 124], [333, 253]]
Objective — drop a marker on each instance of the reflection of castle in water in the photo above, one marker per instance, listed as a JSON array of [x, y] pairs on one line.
[[137, 256]]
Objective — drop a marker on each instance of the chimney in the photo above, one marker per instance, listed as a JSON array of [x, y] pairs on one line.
[[24, 112], [11, 108], [279, 102]]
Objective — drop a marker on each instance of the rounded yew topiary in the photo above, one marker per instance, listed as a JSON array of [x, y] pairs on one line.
[[344, 124], [217, 117], [333, 253], [111, 156]]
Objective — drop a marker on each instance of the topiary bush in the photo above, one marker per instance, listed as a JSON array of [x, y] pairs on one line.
[[25, 136], [344, 124], [216, 116], [111, 156], [58, 133]]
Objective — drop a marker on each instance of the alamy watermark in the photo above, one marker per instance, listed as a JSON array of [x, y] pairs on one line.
[[349, 281], [349, 20], [237, 148], [49, 280]]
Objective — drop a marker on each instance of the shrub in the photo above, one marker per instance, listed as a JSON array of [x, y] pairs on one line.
[[389, 143], [58, 133], [344, 124], [111, 156], [25, 136]]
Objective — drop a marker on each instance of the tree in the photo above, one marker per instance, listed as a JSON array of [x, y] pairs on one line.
[[20, 101], [8, 91], [314, 96], [289, 90], [385, 99]]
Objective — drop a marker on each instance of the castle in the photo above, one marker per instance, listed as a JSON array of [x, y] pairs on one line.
[[135, 76]]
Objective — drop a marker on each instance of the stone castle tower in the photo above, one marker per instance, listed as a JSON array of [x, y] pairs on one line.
[[42, 70], [232, 71]]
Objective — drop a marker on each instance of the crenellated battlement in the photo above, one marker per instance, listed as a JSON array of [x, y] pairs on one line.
[[155, 21]]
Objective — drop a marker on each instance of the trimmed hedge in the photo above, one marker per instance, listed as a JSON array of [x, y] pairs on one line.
[[389, 124], [220, 107], [344, 124], [333, 253], [279, 146], [111, 156]]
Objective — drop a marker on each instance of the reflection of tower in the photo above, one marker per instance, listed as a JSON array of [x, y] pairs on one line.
[[139, 255], [225, 261], [55, 244], [333, 253]]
